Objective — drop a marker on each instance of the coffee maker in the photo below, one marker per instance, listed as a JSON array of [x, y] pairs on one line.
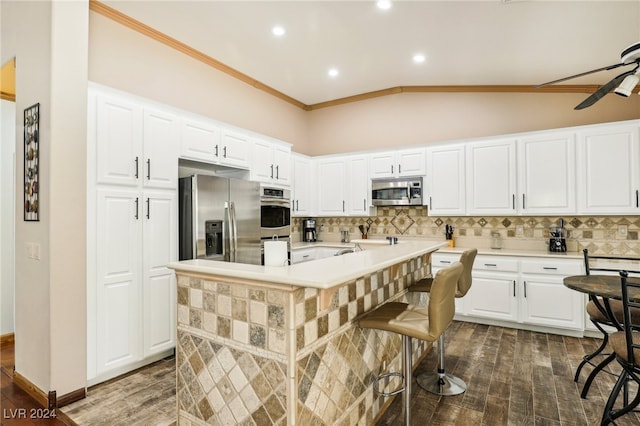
[[558, 238], [309, 230]]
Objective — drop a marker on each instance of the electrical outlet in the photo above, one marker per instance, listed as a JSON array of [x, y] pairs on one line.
[[519, 230], [33, 251], [622, 230]]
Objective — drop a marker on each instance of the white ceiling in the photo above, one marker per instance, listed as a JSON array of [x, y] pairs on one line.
[[496, 42]]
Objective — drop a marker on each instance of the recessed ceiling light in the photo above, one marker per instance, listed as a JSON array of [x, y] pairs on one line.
[[333, 72], [383, 4], [278, 31], [419, 58]]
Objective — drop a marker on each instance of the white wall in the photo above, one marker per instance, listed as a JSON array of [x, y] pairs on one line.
[[50, 43], [7, 203]]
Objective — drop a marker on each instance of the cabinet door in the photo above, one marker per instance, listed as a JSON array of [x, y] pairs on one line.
[[446, 180], [358, 192], [546, 301], [281, 161], [382, 164], [118, 293], [546, 174], [159, 288], [161, 138], [608, 163], [119, 141], [199, 140], [411, 162], [491, 177], [331, 183], [492, 296], [302, 184], [261, 164], [234, 149]]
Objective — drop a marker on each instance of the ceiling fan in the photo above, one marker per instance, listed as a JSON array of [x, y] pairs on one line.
[[623, 83]]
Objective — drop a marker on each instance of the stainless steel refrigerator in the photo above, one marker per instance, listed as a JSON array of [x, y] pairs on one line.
[[219, 219]]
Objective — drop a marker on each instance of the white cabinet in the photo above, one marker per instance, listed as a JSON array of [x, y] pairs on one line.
[[303, 184], [135, 143], [446, 180], [520, 290], [407, 162], [204, 140], [491, 177], [545, 299], [546, 174], [331, 186], [271, 163], [303, 255], [358, 192], [342, 186], [608, 170]]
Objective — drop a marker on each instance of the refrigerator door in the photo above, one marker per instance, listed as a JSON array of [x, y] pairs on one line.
[[210, 200], [245, 211]]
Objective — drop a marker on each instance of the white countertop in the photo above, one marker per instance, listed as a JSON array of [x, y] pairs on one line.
[[516, 252], [323, 273]]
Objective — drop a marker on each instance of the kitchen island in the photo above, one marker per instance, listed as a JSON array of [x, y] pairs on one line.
[[281, 345]]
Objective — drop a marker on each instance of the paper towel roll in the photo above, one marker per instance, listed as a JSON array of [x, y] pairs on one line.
[[275, 253]]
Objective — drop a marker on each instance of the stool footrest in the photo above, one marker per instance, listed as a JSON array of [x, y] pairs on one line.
[[386, 376]]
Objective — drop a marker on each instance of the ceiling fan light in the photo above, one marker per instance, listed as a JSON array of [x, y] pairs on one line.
[[628, 84]]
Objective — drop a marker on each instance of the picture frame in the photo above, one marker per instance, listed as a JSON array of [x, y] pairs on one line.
[[32, 163]]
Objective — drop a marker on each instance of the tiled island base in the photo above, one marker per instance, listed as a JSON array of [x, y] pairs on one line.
[[260, 353]]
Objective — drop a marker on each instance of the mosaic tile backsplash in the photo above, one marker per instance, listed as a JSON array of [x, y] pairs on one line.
[[277, 355], [600, 234]]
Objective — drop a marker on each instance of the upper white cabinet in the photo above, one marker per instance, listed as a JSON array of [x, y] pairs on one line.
[[446, 180], [331, 186], [358, 192], [407, 162], [491, 177], [608, 170], [118, 141], [303, 185], [271, 163], [204, 140], [135, 144], [546, 174]]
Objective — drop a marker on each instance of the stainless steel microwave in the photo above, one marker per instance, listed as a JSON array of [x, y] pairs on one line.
[[397, 192]]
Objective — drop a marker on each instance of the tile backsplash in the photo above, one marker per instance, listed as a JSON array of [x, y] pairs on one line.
[[600, 234]]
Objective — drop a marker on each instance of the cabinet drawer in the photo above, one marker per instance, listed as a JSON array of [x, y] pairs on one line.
[[552, 267], [444, 260], [495, 264]]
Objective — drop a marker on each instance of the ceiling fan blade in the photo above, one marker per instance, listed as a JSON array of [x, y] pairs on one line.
[[598, 94], [608, 67]]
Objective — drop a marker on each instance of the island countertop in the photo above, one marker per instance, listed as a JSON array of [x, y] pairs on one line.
[[322, 273]]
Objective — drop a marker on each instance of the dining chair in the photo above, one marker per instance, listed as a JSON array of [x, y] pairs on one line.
[[626, 347], [603, 314]]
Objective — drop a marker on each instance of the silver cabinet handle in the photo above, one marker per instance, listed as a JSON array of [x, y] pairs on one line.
[[493, 265], [224, 152], [637, 205], [297, 206], [277, 172], [148, 209], [513, 201], [430, 203], [272, 171], [399, 169], [523, 201], [549, 268], [343, 205], [148, 168], [514, 288], [525, 289], [364, 204], [136, 216], [136, 160], [445, 262], [392, 169], [216, 150]]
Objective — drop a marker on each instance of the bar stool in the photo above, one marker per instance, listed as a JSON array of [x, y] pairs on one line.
[[415, 322], [441, 382]]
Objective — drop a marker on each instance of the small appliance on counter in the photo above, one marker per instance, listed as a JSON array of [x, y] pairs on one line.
[[558, 238], [309, 230]]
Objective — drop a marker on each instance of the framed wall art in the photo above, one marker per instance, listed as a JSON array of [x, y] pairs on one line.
[[31, 163]]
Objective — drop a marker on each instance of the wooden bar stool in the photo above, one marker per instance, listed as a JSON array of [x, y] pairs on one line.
[[415, 322], [441, 382]]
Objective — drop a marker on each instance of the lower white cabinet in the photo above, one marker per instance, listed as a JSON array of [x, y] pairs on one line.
[[134, 304], [520, 290]]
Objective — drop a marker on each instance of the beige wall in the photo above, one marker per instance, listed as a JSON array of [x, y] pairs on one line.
[[418, 118], [49, 41], [126, 60]]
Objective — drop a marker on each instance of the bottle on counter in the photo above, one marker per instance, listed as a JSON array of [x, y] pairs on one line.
[[496, 240]]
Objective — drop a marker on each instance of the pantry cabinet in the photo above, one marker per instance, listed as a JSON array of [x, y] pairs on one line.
[[609, 170]]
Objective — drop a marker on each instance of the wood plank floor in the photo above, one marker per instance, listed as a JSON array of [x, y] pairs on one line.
[[514, 377]]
